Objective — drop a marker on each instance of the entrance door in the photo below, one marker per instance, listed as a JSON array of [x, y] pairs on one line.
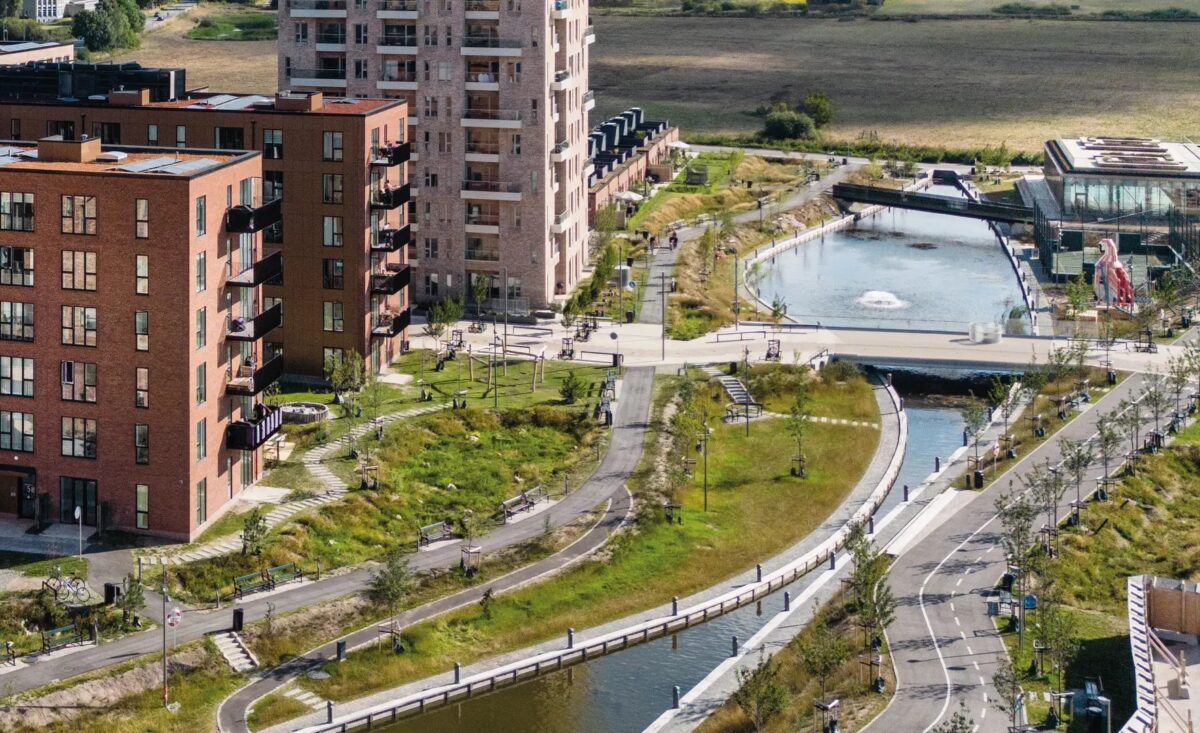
[[28, 498], [10, 494], [77, 492]]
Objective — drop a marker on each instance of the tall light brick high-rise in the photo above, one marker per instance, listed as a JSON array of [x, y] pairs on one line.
[[498, 99]]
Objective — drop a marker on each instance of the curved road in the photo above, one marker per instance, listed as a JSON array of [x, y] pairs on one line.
[[944, 645]]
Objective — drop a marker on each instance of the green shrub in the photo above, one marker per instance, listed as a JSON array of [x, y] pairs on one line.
[[840, 371]]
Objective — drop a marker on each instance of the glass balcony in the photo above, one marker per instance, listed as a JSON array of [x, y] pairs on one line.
[[410, 6], [317, 4], [490, 42], [251, 434], [492, 186], [249, 380], [392, 282], [328, 74]]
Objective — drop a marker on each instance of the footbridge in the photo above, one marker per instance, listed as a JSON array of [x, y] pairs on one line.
[[847, 193]]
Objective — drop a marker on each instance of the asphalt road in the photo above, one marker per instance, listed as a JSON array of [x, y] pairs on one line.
[[944, 645], [625, 449]]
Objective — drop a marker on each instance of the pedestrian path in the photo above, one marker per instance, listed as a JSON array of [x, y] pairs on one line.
[[314, 461], [236, 653], [311, 700]]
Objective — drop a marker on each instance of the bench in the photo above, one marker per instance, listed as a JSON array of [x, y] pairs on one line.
[[433, 532], [63, 636], [523, 502], [251, 583], [283, 573], [774, 352]]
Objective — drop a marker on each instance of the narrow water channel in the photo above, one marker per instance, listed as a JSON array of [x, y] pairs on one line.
[[897, 269], [626, 691]]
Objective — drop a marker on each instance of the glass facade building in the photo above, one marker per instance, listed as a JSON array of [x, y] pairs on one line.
[[1104, 178]]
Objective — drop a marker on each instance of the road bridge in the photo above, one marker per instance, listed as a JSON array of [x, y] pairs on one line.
[[931, 202]]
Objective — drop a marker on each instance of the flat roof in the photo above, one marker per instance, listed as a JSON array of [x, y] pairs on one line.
[[1126, 156], [122, 160], [30, 46]]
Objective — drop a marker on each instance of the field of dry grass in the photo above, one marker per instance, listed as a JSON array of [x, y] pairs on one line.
[[1078, 7], [954, 83]]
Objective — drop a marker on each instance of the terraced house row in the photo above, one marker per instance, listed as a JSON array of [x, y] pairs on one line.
[[156, 279]]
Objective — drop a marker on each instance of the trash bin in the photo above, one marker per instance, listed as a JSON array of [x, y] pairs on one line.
[[239, 618], [112, 592], [978, 479], [341, 650], [629, 316]]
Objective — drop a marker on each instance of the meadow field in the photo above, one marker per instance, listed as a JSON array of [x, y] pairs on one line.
[[1076, 7], [953, 83]]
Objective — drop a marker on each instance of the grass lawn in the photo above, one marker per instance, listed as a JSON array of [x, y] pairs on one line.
[[1013, 81], [704, 299], [755, 509], [984, 7], [38, 566], [235, 25]]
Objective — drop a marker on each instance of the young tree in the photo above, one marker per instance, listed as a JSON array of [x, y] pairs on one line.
[[960, 722], [1056, 632], [572, 388], [1017, 513], [442, 315], [1155, 398], [1078, 456], [1129, 417], [760, 694], [345, 374], [1046, 489], [480, 285], [1008, 691], [1108, 439], [132, 599], [254, 531], [796, 423], [391, 582], [974, 418], [1079, 294], [1005, 398], [1179, 372], [822, 653]]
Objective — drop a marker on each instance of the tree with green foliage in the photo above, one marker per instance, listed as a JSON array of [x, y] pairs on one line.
[[760, 694], [132, 598], [572, 388], [1056, 633], [391, 582], [113, 24], [1129, 419], [1155, 398], [345, 374], [873, 598], [1108, 439], [783, 122], [960, 722], [254, 532], [818, 106], [486, 602], [974, 414], [822, 653], [1008, 691], [1079, 295], [796, 424], [442, 315], [1078, 457], [1005, 398], [1179, 372], [1017, 513], [480, 285]]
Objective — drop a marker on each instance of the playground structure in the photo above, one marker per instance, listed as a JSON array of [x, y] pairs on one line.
[[1110, 281]]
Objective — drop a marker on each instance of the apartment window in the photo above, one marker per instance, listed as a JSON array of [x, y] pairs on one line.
[[333, 274], [431, 285], [202, 439], [152, 135], [78, 381], [431, 36], [430, 106], [16, 266], [229, 138], [515, 149], [16, 211], [141, 444], [141, 270], [141, 330], [78, 214], [201, 216], [78, 270], [302, 33], [332, 231], [361, 68], [273, 183], [16, 376], [431, 248], [66, 128], [108, 132], [78, 325], [360, 34], [16, 321], [180, 136], [141, 215], [331, 188], [272, 146], [431, 178], [331, 147], [332, 357], [76, 493], [141, 397], [14, 128], [201, 271], [201, 383], [16, 431], [141, 494], [201, 327], [332, 316], [449, 35], [79, 437], [201, 501], [269, 303], [445, 70]]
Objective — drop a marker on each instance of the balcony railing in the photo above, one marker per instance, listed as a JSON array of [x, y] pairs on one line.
[[589, 96], [562, 218], [391, 154], [483, 219], [399, 75], [561, 148], [334, 38], [250, 434], [483, 147], [475, 113], [252, 329], [492, 6], [483, 254], [403, 5], [266, 269], [561, 76], [317, 4], [391, 240], [561, 5], [410, 41], [490, 42], [390, 283], [247, 219], [317, 74], [483, 77], [390, 198], [492, 186], [589, 31], [249, 381], [389, 324]]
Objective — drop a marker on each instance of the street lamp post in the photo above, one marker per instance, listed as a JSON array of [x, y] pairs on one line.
[[79, 518], [662, 281], [704, 439], [165, 600]]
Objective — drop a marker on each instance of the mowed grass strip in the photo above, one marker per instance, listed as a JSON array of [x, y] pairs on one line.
[[237, 25], [756, 509]]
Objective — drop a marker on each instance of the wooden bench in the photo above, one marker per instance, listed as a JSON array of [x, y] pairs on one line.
[[252, 583], [63, 636], [433, 532], [283, 573]]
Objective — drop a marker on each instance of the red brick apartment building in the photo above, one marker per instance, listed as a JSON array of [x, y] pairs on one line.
[[132, 333], [333, 197]]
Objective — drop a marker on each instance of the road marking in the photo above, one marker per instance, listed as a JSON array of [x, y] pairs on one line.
[[952, 605], [989, 549], [960, 580], [983, 713], [981, 682], [957, 622], [969, 649]]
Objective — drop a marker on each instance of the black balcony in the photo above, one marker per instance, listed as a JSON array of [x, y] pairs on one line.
[[392, 240], [390, 198], [244, 219], [391, 154], [390, 283], [387, 326], [249, 381], [252, 329], [268, 268], [250, 434]]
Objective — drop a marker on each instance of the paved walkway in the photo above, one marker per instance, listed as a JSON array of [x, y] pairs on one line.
[[889, 444]]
